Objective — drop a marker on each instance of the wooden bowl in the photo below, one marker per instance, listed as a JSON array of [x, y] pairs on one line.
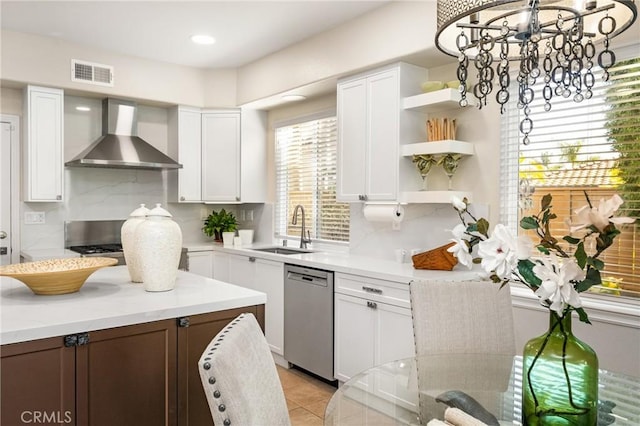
[[56, 276]]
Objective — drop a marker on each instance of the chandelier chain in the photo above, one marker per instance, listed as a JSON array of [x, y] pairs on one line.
[[552, 41]]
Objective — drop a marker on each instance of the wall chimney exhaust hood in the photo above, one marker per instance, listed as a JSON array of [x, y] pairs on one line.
[[119, 146]]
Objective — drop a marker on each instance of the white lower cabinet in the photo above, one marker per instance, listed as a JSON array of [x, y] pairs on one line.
[[200, 262], [262, 275], [220, 266], [372, 326]]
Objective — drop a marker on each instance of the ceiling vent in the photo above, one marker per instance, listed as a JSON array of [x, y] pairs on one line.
[[89, 72]]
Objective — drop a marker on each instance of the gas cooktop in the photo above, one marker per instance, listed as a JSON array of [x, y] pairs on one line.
[[97, 249]]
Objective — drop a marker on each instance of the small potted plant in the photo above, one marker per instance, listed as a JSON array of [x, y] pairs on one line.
[[218, 222]]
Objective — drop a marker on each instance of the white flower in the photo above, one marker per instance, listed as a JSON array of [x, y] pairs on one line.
[[460, 249], [458, 204], [556, 285], [501, 252], [601, 215]]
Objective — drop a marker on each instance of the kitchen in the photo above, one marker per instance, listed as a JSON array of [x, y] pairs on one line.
[[396, 29]]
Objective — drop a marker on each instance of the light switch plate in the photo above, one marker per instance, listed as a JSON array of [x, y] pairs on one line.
[[33, 218]]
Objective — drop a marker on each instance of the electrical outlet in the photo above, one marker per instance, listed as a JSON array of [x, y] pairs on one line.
[[242, 215], [33, 218], [250, 215]]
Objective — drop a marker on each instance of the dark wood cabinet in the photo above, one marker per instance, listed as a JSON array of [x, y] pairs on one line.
[[193, 408], [124, 376], [27, 369], [142, 374]]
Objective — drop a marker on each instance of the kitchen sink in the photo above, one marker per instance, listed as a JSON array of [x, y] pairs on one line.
[[282, 250]]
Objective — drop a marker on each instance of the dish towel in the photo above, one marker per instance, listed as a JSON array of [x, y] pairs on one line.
[[456, 417]]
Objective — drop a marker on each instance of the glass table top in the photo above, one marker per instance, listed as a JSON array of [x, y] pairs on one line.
[[404, 392]]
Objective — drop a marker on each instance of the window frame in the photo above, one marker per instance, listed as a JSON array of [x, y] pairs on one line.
[[605, 306], [277, 228]]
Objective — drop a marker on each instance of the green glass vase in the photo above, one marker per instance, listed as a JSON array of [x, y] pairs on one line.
[[560, 378]]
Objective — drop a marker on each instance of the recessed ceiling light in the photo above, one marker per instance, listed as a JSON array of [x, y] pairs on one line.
[[83, 108], [202, 39], [293, 98]]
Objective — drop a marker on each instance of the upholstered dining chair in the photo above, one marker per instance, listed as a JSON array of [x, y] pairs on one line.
[[240, 378], [458, 318], [462, 317]]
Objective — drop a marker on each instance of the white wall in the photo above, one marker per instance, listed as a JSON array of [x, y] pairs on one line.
[[382, 35], [28, 58]]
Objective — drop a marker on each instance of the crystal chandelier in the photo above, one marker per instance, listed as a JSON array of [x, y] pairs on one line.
[[549, 39]]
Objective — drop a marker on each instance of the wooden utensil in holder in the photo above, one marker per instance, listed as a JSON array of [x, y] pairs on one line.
[[439, 129]]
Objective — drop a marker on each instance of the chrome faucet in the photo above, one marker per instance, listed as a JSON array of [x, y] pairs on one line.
[[303, 241]]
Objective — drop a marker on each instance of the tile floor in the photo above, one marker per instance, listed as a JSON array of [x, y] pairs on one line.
[[306, 397]]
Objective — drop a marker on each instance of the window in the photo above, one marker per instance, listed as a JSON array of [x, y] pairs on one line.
[[306, 166], [592, 147]]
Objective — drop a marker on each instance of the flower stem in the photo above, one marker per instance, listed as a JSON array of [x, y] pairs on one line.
[[565, 338]]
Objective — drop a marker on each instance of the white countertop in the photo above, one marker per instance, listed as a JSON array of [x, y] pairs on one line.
[[357, 265], [108, 299], [333, 261], [34, 255]]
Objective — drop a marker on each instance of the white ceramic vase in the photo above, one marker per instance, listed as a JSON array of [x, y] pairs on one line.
[[159, 243], [127, 236]]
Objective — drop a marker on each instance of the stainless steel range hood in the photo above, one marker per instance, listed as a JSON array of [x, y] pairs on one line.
[[119, 146]]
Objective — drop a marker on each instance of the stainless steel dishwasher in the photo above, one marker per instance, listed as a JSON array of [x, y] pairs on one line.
[[308, 319]]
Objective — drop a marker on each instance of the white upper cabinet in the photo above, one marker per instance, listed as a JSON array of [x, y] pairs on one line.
[[352, 139], [44, 150], [186, 129], [371, 126], [253, 157], [383, 136], [221, 156]]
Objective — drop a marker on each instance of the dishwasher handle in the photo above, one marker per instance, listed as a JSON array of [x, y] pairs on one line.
[[307, 279]]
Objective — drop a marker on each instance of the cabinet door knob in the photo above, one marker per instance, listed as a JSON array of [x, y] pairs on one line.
[[372, 305], [237, 198], [58, 197], [182, 198], [252, 259]]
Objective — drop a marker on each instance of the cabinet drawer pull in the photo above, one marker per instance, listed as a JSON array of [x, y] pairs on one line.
[[372, 305], [78, 339], [371, 290]]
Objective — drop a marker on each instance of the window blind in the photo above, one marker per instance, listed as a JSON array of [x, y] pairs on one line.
[[306, 164], [591, 148]]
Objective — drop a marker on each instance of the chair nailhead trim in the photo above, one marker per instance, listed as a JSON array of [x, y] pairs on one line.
[[212, 380], [226, 422], [216, 394], [221, 407], [207, 359], [206, 366]]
